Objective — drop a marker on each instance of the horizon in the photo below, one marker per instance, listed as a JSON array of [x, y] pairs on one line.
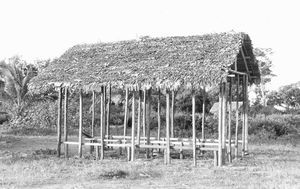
[[45, 30]]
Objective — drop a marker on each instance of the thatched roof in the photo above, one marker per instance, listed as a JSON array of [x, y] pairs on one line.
[[150, 62]]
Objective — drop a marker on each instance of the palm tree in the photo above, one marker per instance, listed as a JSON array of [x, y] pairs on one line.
[[15, 75]]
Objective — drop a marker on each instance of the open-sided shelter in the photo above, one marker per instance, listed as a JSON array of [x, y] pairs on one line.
[[163, 64]]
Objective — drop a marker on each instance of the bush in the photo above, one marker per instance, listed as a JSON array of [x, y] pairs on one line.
[[275, 125]]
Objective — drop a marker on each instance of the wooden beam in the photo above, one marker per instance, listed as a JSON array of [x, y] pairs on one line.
[[108, 111], [80, 125], [172, 113], [245, 61], [133, 128], [203, 114], [237, 117], [148, 119], [246, 115], [59, 115], [194, 127], [158, 116], [224, 120], [243, 118], [220, 153], [66, 121], [229, 120], [126, 112], [102, 124], [93, 120], [144, 113], [167, 154], [139, 118]]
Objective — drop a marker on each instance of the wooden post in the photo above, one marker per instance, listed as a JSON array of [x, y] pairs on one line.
[[102, 124], [133, 128], [93, 121], [144, 113], [220, 153], [80, 125], [194, 127], [65, 122], [108, 112], [172, 113], [243, 117], [237, 117], [229, 120], [148, 121], [59, 115], [104, 111], [158, 116], [126, 113], [139, 118], [224, 117], [203, 114], [246, 114], [168, 158]]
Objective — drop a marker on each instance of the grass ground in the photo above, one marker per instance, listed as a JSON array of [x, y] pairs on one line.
[[30, 162]]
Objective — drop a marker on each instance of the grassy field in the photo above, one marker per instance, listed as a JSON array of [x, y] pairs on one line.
[[30, 162]]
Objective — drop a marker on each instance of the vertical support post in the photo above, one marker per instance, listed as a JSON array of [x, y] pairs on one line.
[[194, 127], [148, 121], [133, 128], [172, 113], [59, 115], [125, 114], [237, 117], [158, 116], [93, 120], [108, 112], [144, 113], [102, 124], [243, 117], [65, 122], [139, 118], [104, 111], [229, 120], [80, 125], [224, 117], [220, 153], [168, 159], [203, 114], [246, 114]]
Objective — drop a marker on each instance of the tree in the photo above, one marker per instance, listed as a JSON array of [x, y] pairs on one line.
[[16, 74], [263, 58]]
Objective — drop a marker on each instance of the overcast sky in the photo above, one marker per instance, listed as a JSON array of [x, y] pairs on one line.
[[42, 29]]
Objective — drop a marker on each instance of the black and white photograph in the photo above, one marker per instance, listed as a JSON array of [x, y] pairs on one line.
[[156, 94]]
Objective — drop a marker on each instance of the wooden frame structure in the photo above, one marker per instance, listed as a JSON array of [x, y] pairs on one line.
[[240, 73]]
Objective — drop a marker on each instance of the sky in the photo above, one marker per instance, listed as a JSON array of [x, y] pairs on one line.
[[43, 29]]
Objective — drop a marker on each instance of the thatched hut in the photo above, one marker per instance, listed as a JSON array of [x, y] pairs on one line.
[[164, 64]]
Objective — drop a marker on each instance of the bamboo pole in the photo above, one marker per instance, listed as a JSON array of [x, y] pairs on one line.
[[220, 153], [158, 116], [246, 114], [80, 125], [243, 117], [93, 121], [224, 117], [126, 113], [148, 120], [229, 120], [203, 114], [59, 116], [172, 113], [139, 118], [168, 159], [66, 122], [194, 128], [144, 113], [108, 111], [133, 128], [102, 124], [237, 117]]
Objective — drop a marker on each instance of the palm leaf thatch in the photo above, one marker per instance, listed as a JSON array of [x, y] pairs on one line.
[[165, 63]]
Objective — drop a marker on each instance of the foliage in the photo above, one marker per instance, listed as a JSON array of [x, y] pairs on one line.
[[287, 96], [274, 125], [16, 74]]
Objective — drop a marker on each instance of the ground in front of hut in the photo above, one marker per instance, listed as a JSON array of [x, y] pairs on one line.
[[31, 162]]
